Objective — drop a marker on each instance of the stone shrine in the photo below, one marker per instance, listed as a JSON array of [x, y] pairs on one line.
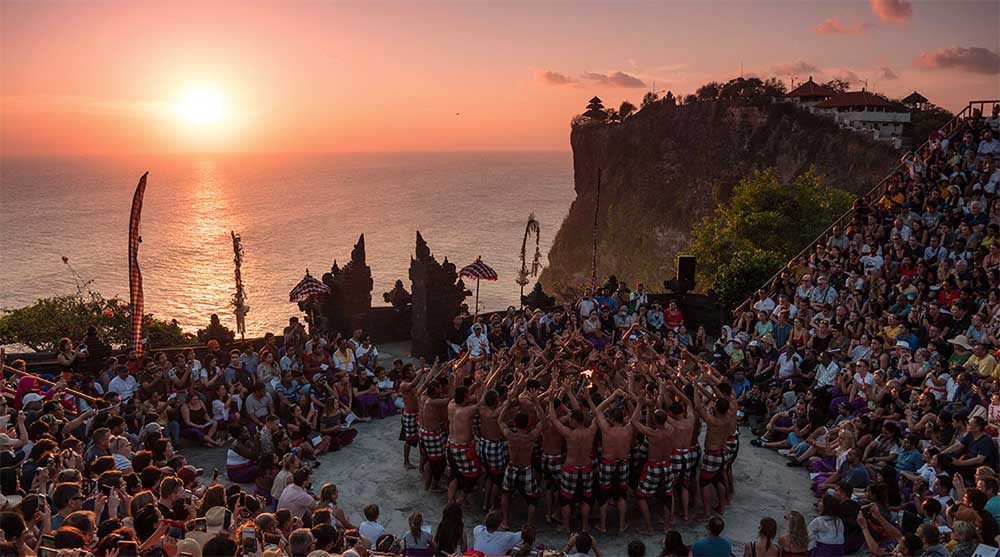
[[350, 292], [437, 298]]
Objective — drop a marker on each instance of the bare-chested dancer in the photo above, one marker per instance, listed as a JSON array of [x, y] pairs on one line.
[[492, 448], [617, 435], [409, 432], [553, 459], [685, 456], [462, 458], [433, 435], [520, 475], [657, 479], [577, 475], [714, 461]]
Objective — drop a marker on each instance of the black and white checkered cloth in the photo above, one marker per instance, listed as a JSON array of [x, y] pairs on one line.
[[657, 478], [493, 455], [521, 478]]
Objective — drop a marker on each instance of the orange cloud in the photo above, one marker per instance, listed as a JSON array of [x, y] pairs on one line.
[[892, 11], [795, 68], [972, 60], [833, 26], [613, 79], [549, 77]]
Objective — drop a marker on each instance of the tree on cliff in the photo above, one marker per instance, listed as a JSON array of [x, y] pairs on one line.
[[625, 110], [838, 85], [709, 91], [649, 98], [930, 119], [763, 225]]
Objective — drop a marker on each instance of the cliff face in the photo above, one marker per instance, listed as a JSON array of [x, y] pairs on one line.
[[667, 167]]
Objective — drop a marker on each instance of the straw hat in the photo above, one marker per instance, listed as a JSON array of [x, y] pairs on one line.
[[961, 340]]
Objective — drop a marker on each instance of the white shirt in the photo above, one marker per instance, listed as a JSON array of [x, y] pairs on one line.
[[765, 305], [124, 387], [786, 365], [478, 345], [493, 543], [586, 306], [826, 529], [371, 530], [825, 374]]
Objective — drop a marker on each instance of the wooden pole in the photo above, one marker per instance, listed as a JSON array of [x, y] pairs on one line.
[[77, 394], [476, 312]]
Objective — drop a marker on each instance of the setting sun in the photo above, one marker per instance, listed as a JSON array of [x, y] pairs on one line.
[[201, 106]]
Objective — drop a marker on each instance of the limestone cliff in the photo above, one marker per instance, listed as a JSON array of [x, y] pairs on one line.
[[667, 167]]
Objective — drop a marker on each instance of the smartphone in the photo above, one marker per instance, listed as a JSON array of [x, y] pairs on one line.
[[200, 525], [175, 529], [248, 537], [215, 476], [272, 539], [128, 548], [47, 552], [49, 540], [186, 554]]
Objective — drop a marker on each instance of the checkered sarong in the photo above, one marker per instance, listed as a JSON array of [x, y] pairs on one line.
[[409, 429], [612, 473], [576, 483], [657, 477], [683, 463], [463, 460], [712, 463], [732, 449], [433, 443], [552, 465], [521, 478], [493, 455]]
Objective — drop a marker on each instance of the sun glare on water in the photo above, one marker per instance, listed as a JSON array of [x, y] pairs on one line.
[[202, 106]]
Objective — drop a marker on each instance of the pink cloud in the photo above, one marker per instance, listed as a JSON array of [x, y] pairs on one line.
[[794, 68], [886, 73], [972, 60], [892, 11], [549, 77], [612, 79], [833, 26]]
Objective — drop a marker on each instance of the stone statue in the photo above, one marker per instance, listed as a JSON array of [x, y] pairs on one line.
[[398, 296], [537, 298]]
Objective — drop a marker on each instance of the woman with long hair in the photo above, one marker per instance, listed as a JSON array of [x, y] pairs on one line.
[[215, 496], [328, 500], [450, 536], [795, 542], [826, 531], [673, 545], [417, 542], [764, 545]]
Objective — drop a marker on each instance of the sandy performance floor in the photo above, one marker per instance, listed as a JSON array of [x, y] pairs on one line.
[[371, 471]]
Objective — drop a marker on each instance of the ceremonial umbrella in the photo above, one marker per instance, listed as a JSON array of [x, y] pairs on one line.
[[308, 290], [479, 271]]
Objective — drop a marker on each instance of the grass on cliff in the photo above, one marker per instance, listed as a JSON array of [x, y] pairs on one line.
[[764, 225]]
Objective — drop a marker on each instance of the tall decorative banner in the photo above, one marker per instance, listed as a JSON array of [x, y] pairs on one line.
[[134, 275]]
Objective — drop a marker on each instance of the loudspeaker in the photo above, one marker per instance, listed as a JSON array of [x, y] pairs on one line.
[[685, 272]]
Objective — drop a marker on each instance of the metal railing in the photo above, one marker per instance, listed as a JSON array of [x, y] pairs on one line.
[[876, 192]]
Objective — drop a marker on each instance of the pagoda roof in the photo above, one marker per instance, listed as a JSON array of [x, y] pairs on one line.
[[855, 99], [914, 98], [811, 89]]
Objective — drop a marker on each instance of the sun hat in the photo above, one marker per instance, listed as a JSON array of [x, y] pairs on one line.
[[215, 519], [961, 340]]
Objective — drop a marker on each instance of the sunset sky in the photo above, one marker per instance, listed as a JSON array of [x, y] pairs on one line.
[[273, 77]]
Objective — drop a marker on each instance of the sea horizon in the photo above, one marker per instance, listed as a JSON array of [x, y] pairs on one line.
[[293, 212]]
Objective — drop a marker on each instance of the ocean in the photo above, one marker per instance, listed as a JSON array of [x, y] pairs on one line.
[[293, 213]]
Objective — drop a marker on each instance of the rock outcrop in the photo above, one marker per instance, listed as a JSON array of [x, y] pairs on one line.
[[667, 167]]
